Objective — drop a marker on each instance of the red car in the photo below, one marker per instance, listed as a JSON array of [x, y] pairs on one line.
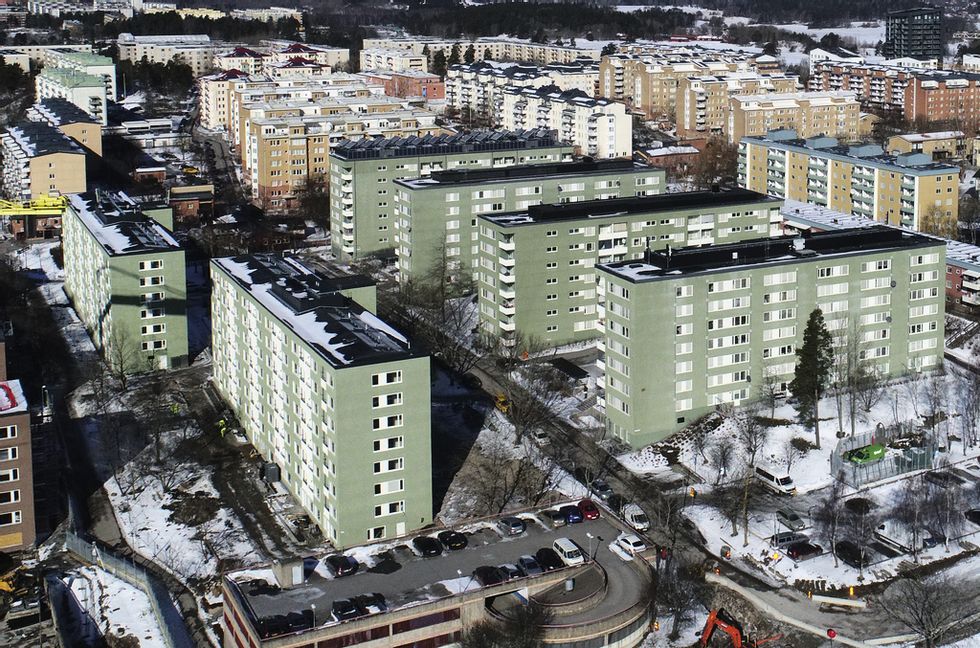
[[589, 510]]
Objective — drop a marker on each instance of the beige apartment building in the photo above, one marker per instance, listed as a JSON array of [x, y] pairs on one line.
[[39, 160], [70, 120], [393, 60], [282, 51], [940, 145], [497, 49], [241, 59], [836, 114], [194, 50], [703, 101]]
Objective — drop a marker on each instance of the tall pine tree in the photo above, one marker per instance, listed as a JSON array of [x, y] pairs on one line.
[[814, 360]]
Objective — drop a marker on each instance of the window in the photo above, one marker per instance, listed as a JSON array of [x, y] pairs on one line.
[[391, 486], [390, 443], [386, 400], [387, 378], [150, 281], [684, 291], [8, 454], [10, 475], [385, 422], [391, 508], [389, 465], [8, 432], [377, 533], [154, 345], [156, 264], [13, 517], [10, 497]]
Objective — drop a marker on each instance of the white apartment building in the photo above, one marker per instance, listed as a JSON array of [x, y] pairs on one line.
[[393, 60], [85, 62], [195, 50], [498, 49], [86, 91]]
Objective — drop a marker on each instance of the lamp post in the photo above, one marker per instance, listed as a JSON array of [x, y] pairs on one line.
[[313, 608], [589, 536]]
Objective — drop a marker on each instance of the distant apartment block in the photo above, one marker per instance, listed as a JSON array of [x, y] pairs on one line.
[[86, 91], [940, 145], [341, 405], [437, 216], [194, 50], [835, 54], [86, 63], [406, 85], [536, 266], [688, 330], [17, 521], [39, 160], [283, 51], [836, 114], [703, 101], [859, 179], [596, 127], [363, 207], [241, 59], [30, 57], [70, 120], [497, 49], [393, 60], [914, 32], [125, 275]]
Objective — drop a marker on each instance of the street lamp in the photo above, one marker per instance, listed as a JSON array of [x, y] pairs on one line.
[[313, 608]]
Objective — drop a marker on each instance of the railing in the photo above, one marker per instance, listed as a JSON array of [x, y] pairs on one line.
[[175, 634]]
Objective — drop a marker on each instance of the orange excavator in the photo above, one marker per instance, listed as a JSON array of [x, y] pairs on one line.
[[722, 620]]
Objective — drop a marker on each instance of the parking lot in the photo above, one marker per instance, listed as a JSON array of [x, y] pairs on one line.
[[404, 577]]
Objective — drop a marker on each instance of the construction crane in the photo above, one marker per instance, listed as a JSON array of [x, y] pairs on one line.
[[722, 620], [31, 210]]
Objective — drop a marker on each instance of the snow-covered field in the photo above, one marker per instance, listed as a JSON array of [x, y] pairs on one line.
[[117, 607]]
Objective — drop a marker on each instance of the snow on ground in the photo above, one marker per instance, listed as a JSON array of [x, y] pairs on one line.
[[969, 642], [865, 33], [689, 630], [116, 606]]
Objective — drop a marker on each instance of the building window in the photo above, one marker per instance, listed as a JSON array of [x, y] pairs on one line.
[[386, 422], [10, 475], [387, 378], [8, 432], [8, 454], [10, 497], [377, 533], [389, 465], [12, 517], [390, 443]]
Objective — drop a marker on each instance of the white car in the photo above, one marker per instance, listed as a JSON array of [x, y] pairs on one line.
[[631, 543], [636, 518]]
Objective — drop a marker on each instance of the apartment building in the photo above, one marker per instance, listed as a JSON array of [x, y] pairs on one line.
[[970, 63], [241, 59], [70, 120], [297, 68], [86, 91], [405, 85], [332, 57], [329, 393], [703, 102], [877, 86], [17, 528], [595, 127], [834, 54], [859, 179], [437, 216], [283, 152], [393, 60], [39, 160], [914, 32], [939, 145], [647, 81], [86, 63], [125, 275], [496, 49], [942, 95], [729, 318], [31, 57], [194, 50], [363, 173], [215, 97], [536, 271], [836, 114]]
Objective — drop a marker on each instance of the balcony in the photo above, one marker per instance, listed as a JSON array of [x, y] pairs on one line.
[[507, 293], [507, 246], [347, 176], [973, 285], [508, 325], [507, 262], [507, 308], [971, 298], [508, 278]]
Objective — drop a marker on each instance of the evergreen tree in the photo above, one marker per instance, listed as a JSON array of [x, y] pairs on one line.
[[454, 55], [813, 363], [439, 64], [470, 54], [608, 49], [487, 55]]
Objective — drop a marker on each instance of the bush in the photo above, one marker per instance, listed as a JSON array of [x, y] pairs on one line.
[[801, 445]]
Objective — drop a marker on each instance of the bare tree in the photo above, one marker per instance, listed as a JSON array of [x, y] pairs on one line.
[[859, 527], [912, 388], [123, 357], [829, 515], [522, 627], [910, 511], [720, 454], [791, 452], [771, 389], [929, 607], [677, 589], [533, 396], [498, 477], [751, 434], [869, 385], [968, 404], [936, 399], [746, 483], [943, 509]]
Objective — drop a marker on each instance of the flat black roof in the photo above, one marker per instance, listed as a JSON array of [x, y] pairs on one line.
[[488, 140], [631, 205], [476, 176]]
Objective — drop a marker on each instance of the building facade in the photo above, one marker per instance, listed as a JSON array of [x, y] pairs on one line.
[[17, 520], [363, 173], [39, 160], [691, 330], [836, 114], [914, 32], [71, 121], [496, 49], [536, 271], [393, 60], [342, 404], [86, 91], [939, 145], [429, 87], [125, 275], [193, 50], [86, 63], [703, 102], [900, 189]]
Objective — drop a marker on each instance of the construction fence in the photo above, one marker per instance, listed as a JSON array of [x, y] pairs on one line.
[[919, 456]]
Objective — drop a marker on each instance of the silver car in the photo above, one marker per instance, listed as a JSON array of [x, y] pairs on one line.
[[790, 520]]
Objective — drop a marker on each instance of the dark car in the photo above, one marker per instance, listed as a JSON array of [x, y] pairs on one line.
[[512, 525], [973, 515], [786, 538], [427, 546], [554, 518], [589, 510], [803, 550], [346, 609], [943, 479], [372, 603], [572, 514], [341, 565], [601, 489], [528, 565], [510, 571], [851, 554], [549, 559], [453, 540], [488, 575]]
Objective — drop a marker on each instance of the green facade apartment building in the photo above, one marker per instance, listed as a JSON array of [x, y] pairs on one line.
[[363, 172], [536, 271], [438, 215], [126, 277], [688, 330], [325, 390]]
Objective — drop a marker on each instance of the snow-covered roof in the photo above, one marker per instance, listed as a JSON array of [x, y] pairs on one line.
[[927, 137], [311, 305], [41, 138], [119, 225], [671, 150]]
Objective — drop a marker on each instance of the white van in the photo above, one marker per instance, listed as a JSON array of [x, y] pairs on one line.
[[569, 552], [776, 483], [635, 517]]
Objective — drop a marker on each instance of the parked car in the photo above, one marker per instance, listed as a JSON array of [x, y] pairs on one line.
[[510, 570], [340, 565], [372, 603], [540, 436], [488, 575], [789, 519], [866, 455], [346, 609], [589, 510], [786, 538], [803, 551], [528, 565], [453, 540], [602, 489], [631, 543], [512, 525], [635, 517], [943, 478], [569, 552], [548, 559], [554, 518], [572, 514], [427, 546], [851, 554], [973, 515], [780, 484]]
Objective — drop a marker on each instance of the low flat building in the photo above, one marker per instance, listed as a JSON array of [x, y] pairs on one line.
[[70, 120], [835, 54], [493, 48], [125, 275], [39, 160], [729, 318], [835, 114], [86, 91], [343, 412], [32, 57], [536, 267]]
